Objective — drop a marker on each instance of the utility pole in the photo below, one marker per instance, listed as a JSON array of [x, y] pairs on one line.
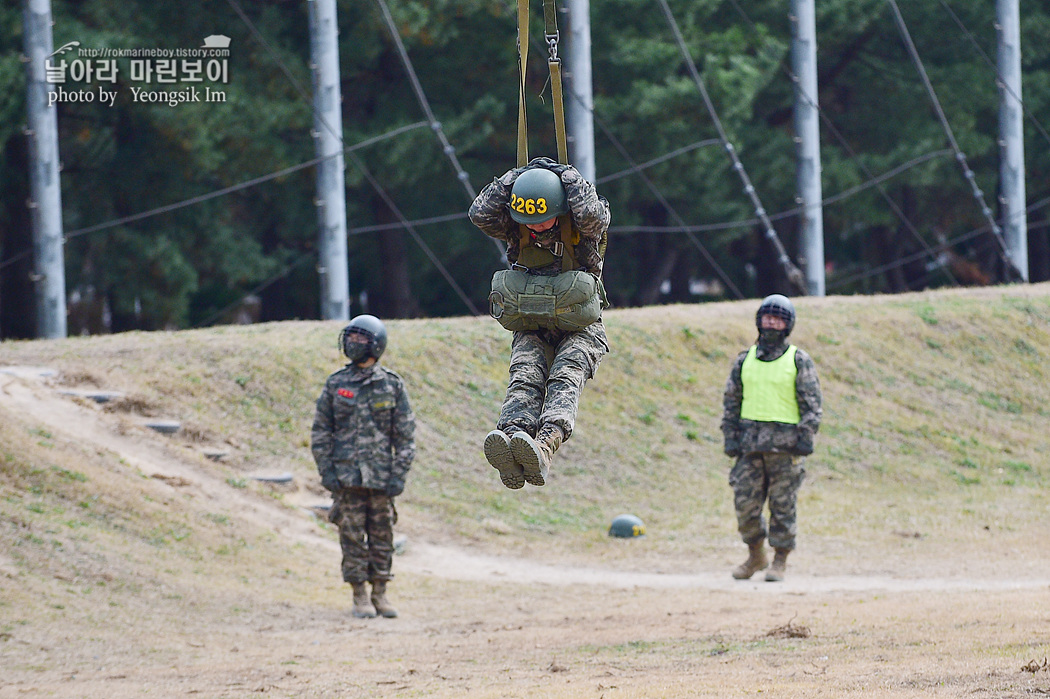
[[49, 273], [579, 112], [807, 138], [1011, 135], [332, 265]]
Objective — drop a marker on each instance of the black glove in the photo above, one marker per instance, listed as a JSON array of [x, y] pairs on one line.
[[543, 162], [557, 168], [508, 178], [804, 444], [732, 448], [394, 487], [330, 481]]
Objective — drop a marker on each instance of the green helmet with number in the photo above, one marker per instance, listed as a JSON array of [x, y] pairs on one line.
[[537, 196], [626, 527]]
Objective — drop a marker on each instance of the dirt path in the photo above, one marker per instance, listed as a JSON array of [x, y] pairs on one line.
[[476, 625], [26, 390]]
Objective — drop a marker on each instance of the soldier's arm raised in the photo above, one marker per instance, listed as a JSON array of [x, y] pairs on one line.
[[590, 212], [489, 210]]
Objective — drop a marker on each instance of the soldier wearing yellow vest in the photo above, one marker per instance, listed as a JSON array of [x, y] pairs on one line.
[[772, 410]]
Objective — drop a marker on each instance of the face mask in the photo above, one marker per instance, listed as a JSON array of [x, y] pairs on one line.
[[768, 337], [355, 351]]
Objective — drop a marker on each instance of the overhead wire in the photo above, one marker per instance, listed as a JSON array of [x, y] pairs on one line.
[[238, 187], [462, 176], [788, 213], [960, 156], [305, 257], [674, 213], [655, 161], [418, 222], [998, 76], [728, 225], [639, 169], [943, 246], [683, 228], [357, 162], [76, 233], [812, 101], [792, 272], [900, 262], [416, 237], [446, 147]]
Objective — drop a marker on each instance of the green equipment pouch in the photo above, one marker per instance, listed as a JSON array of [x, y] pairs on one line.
[[567, 301]]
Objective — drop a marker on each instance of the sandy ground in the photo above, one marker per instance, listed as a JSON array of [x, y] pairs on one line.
[[481, 625]]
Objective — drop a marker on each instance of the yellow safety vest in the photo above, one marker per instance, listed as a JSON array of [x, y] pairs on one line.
[[769, 388]]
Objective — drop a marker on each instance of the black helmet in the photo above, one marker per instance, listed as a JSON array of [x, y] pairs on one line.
[[626, 527], [776, 305], [537, 196], [372, 328]]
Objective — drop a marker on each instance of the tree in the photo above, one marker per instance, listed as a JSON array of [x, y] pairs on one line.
[[189, 265]]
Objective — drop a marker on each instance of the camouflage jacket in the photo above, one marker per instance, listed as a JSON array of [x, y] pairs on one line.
[[363, 427], [590, 214], [748, 436]]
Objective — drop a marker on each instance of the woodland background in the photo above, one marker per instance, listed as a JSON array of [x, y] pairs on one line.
[[252, 253]]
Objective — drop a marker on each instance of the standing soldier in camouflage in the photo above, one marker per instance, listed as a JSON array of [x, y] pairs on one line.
[[772, 411], [529, 208], [362, 441]]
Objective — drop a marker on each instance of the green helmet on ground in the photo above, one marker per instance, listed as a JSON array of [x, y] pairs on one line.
[[537, 196], [626, 527]]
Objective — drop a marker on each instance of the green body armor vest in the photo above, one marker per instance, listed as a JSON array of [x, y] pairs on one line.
[[769, 388]]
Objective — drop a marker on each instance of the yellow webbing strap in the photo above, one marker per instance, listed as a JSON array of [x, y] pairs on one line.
[[524, 237], [559, 111], [523, 59], [550, 31], [569, 236]]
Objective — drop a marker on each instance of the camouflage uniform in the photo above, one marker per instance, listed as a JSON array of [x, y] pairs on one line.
[[770, 455], [548, 368], [362, 442]]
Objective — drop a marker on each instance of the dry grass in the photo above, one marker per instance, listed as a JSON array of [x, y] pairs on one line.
[[932, 461]]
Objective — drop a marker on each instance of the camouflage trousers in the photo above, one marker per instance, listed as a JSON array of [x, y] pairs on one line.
[[761, 475], [366, 519], [547, 372]]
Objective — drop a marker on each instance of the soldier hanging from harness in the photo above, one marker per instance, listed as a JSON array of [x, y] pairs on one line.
[[556, 229]]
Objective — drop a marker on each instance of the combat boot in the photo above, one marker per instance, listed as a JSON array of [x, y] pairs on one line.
[[780, 561], [384, 608], [756, 561], [497, 451], [363, 608], [535, 455]]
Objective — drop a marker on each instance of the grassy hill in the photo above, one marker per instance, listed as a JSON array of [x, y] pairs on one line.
[[934, 446]]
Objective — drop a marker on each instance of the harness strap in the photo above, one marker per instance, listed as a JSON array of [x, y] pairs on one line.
[[569, 236], [523, 57], [551, 34]]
